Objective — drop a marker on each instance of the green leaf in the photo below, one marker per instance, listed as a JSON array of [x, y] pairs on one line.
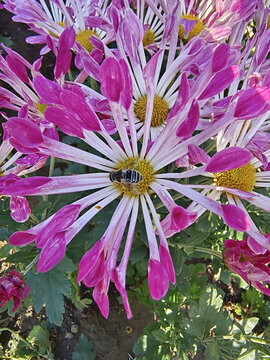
[[6, 41], [4, 250], [208, 316], [22, 256], [39, 336], [84, 349], [48, 288], [212, 351], [177, 258]]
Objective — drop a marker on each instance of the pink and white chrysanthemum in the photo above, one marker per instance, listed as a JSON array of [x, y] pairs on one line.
[[51, 18], [208, 19], [131, 173]]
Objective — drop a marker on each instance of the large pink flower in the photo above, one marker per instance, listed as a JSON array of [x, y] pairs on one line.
[[253, 268], [13, 286]]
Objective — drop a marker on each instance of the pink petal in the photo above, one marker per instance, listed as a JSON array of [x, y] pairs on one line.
[[252, 102], [62, 220], [21, 238], [76, 104], [88, 261], [228, 159], [158, 279], [111, 79], [165, 258], [53, 251], [235, 217], [19, 208], [220, 57], [48, 90], [126, 94], [187, 127], [26, 186], [18, 68], [102, 301], [65, 119], [25, 132], [220, 82]]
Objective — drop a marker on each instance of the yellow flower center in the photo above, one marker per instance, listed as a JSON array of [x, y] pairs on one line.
[[268, 22], [197, 28], [148, 37], [83, 38], [242, 178], [41, 107], [52, 33], [138, 165], [160, 110]]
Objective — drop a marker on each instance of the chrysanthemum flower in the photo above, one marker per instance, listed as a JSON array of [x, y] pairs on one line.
[[130, 171], [51, 18], [12, 286], [253, 268], [205, 18]]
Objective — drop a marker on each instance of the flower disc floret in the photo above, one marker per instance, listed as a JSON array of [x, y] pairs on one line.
[[242, 178], [196, 30], [148, 37], [83, 38], [160, 110], [146, 171]]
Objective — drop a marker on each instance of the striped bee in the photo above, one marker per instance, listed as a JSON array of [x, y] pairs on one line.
[[125, 177]]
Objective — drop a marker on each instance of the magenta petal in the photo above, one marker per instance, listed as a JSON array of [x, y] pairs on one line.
[[21, 238], [88, 261], [158, 279], [76, 104], [65, 119], [53, 251], [220, 57], [18, 68], [220, 81], [102, 301], [165, 258], [97, 272], [182, 97], [187, 127], [19, 208], [62, 220], [235, 217], [229, 158], [48, 90], [25, 132], [255, 247], [26, 186], [179, 218], [251, 102], [111, 79], [126, 94], [116, 279]]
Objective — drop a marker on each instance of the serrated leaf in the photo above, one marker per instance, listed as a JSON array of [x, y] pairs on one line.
[[39, 336], [84, 349], [48, 288], [208, 316]]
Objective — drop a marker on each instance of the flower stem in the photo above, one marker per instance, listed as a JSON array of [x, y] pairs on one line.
[[45, 197], [28, 344], [191, 248]]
